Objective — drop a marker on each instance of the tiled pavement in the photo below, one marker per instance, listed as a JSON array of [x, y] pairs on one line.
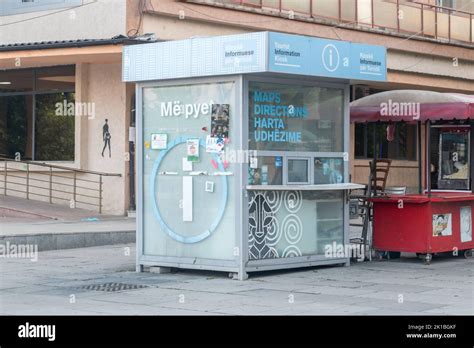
[[52, 285]]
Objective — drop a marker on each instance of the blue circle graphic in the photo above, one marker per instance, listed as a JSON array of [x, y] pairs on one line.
[[176, 236]]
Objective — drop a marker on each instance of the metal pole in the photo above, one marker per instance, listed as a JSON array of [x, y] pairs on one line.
[[420, 161], [428, 156], [5, 178], [449, 25], [339, 13], [27, 181], [132, 176], [100, 194], [33, 124], [50, 185], [372, 12], [422, 20], [470, 27], [374, 162], [132, 155], [74, 188], [471, 152], [356, 12], [398, 16]]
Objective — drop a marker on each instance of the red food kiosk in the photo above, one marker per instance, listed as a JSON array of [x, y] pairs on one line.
[[437, 218]]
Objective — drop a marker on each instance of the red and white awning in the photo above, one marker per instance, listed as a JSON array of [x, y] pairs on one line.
[[412, 106]]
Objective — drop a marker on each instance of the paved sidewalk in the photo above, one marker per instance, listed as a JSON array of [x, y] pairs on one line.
[[55, 285], [17, 209], [53, 226], [86, 225]]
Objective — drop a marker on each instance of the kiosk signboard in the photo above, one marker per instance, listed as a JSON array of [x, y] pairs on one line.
[[319, 57], [254, 53]]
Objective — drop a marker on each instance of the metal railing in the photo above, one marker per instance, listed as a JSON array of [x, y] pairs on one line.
[[413, 17], [52, 183]]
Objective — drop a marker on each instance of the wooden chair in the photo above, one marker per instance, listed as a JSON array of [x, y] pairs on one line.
[[362, 205], [379, 174], [362, 209]]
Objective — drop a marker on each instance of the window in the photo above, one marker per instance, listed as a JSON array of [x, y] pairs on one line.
[[295, 118], [296, 133], [11, 7], [171, 201], [49, 126], [33, 121], [266, 170], [298, 171], [15, 124], [446, 3], [296, 136], [402, 147], [449, 157], [328, 170]]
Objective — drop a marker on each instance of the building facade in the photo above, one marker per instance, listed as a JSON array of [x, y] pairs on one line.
[[57, 52], [429, 46], [54, 55]]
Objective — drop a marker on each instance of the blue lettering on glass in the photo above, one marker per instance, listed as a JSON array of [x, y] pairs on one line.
[[272, 97], [277, 136], [268, 118]]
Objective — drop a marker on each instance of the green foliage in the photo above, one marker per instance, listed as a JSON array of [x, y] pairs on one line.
[[54, 135]]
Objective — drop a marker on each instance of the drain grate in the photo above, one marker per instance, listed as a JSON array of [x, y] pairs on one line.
[[112, 287]]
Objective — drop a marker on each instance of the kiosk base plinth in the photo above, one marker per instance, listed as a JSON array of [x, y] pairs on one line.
[[160, 270], [238, 276]]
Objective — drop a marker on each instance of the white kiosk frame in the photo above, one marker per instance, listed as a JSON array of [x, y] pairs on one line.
[[240, 263]]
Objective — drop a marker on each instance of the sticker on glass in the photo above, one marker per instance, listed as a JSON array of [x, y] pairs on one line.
[[220, 120], [193, 150], [159, 141], [209, 186], [214, 145]]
